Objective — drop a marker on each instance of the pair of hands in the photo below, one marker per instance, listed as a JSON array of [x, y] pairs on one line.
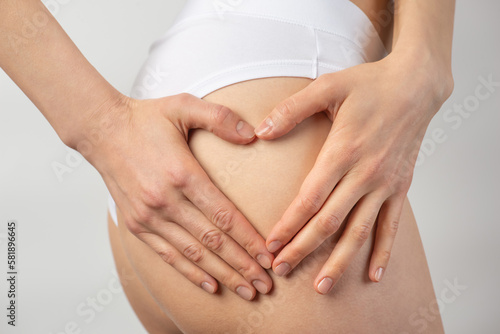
[[379, 114]]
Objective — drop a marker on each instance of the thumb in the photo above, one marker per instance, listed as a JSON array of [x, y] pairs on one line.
[[314, 98], [194, 113]]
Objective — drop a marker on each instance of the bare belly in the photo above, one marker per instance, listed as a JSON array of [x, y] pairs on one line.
[[261, 179]]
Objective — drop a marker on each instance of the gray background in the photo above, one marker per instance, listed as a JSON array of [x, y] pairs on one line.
[[63, 248]]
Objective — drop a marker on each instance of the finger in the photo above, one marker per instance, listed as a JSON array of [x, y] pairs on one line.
[[221, 244], [186, 252], [122, 203], [313, 193], [357, 231], [314, 98], [192, 112], [323, 225], [161, 246], [224, 215], [165, 250], [387, 227], [204, 258], [185, 267]]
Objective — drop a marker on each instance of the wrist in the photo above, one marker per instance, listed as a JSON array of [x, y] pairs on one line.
[[97, 123], [429, 70]]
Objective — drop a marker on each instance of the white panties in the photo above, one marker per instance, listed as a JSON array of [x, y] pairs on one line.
[[217, 43]]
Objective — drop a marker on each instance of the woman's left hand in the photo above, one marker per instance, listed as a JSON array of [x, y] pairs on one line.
[[380, 112]]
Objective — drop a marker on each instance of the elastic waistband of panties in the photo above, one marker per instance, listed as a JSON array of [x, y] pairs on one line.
[[339, 17]]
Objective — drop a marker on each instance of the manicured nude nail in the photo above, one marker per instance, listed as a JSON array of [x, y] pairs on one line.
[[260, 286], [325, 285], [282, 269], [208, 287], [264, 261], [378, 274], [244, 292], [264, 127], [245, 130], [274, 246]]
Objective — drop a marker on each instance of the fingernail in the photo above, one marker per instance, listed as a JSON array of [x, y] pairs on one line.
[[274, 246], [244, 292], [265, 127], [378, 274], [264, 261], [282, 269], [208, 287], [245, 130], [325, 285], [260, 286]]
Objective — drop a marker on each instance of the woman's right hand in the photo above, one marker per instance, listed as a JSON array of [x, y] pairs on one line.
[[140, 149], [167, 200]]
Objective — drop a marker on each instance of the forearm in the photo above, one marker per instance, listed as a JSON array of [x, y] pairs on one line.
[[43, 61], [423, 32]]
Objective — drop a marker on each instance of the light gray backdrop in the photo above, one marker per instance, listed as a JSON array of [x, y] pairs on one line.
[[64, 256]]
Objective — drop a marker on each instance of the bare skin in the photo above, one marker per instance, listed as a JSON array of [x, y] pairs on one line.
[[261, 179], [113, 132], [380, 114]]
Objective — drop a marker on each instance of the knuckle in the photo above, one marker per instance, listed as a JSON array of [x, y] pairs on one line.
[[391, 228], [372, 175], [384, 255], [223, 219], [403, 186], [167, 255], [229, 278], [251, 245], [153, 197], [183, 98], [400, 169], [213, 240], [374, 168], [348, 151], [193, 276], [143, 214], [133, 226], [328, 224], [393, 184], [194, 253], [218, 113], [178, 177], [249, 270], [311, 203], [361, 232], [390, 184], [285, 109]]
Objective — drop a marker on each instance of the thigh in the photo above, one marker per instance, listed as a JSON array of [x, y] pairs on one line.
[[145, 307], [262, 178]]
